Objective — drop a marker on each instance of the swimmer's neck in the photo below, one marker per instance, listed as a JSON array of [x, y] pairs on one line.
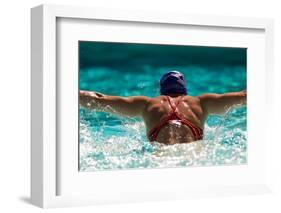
[[175, 95]]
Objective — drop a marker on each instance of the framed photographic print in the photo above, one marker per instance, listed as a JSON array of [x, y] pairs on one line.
[[112, 142], [130, 106]]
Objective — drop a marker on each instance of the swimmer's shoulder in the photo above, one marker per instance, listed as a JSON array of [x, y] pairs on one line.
[[156, 99], [164, 98], [191, 98]]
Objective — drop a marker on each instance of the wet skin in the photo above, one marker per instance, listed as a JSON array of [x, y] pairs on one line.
[[152, 110]]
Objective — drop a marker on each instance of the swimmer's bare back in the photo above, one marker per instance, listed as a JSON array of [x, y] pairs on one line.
[[155, 110]]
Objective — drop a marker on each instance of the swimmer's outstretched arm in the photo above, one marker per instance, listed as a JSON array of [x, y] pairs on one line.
[[126, 106], [220, 103]]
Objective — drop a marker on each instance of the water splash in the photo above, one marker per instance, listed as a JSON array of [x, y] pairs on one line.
[[111, 142]]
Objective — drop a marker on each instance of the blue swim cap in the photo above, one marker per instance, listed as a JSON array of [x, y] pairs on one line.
[[173, 82]]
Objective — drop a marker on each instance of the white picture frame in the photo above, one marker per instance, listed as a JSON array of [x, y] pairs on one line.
[[46, 167]]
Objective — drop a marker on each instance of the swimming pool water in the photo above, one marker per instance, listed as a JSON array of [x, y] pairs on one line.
[[108, 141]]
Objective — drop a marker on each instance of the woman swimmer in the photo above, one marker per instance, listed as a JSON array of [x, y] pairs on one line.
[[174, 116]]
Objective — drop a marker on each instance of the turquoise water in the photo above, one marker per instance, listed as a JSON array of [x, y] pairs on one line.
[[108, 141]]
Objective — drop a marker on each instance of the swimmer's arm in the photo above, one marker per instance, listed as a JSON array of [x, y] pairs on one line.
[[126, 106], [219, 103]]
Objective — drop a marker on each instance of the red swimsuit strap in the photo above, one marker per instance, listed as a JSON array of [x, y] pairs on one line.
[[153, 133], [174, 108], [196, 131]]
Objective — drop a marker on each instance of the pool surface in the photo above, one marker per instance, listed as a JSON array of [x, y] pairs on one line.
[[108, 141]]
